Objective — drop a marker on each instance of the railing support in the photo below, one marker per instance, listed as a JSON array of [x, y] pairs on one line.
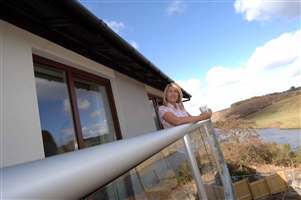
[[195, 170], [220, 161]]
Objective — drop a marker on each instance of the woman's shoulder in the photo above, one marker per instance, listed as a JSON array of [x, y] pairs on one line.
[[164, 108]]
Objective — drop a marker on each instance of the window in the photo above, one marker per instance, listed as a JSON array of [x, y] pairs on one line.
[[95, 113], [155, 102], [76, 108], [56, 122]]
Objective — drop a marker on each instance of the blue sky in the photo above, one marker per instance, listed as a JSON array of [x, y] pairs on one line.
[[188, 39]]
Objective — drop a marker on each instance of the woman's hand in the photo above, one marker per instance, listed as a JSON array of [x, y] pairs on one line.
[[206, 115], [210, 113]]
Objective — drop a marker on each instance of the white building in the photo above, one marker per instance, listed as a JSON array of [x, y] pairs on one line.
[[68, 82], [65, 73]]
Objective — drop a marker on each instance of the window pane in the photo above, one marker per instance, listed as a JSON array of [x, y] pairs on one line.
[[95, 113], [55, 112]]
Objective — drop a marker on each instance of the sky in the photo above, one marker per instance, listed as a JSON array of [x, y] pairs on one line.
[[219, 51]]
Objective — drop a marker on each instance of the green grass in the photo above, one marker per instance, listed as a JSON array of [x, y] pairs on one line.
[[285, 113]]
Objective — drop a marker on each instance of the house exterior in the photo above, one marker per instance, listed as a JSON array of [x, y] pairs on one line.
[[68, 82]]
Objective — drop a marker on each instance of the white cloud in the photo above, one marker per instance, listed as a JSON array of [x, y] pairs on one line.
[[66, 105], [262, 10], [274, 66], [95, 130], [116, 26], [95, 114], [277, 52], [176, 7], [67, 135], [195, 88], [83, 104], [134, 44], [50, 90]]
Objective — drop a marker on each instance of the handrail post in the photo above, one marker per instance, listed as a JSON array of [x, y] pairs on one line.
[[195, 170], [220, 161]]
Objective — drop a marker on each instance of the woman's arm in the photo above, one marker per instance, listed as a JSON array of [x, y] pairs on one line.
[[188, 113], [174, 120]]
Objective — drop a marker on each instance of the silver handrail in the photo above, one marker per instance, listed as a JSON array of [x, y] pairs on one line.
[[73, 175]]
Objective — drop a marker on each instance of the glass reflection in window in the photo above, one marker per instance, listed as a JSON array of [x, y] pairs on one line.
[[55, 111], [95, 113]]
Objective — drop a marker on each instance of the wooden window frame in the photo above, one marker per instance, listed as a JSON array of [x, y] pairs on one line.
[[71, 74]]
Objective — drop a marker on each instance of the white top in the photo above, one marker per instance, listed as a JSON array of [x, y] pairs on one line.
[[172, 109]]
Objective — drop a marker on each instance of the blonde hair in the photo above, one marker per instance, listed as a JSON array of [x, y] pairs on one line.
[[179, 100]]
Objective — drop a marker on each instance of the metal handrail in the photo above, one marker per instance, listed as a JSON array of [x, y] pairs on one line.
[[73, 175]]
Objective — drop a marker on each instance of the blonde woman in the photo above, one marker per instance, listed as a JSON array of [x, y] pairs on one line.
[[172, 112]]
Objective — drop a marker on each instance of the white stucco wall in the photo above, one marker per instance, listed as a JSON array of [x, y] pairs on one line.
[[20, 131], [1, 99], [21, 139], [134, 106]]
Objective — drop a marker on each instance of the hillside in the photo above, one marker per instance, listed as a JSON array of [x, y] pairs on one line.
[[279, 110]]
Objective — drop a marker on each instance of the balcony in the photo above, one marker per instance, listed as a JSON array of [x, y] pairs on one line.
[[184, 162]]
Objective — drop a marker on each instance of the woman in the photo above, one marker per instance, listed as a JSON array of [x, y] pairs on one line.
[[172, 112]]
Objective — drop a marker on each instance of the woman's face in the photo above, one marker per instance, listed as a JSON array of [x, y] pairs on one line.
[[172, 95]]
